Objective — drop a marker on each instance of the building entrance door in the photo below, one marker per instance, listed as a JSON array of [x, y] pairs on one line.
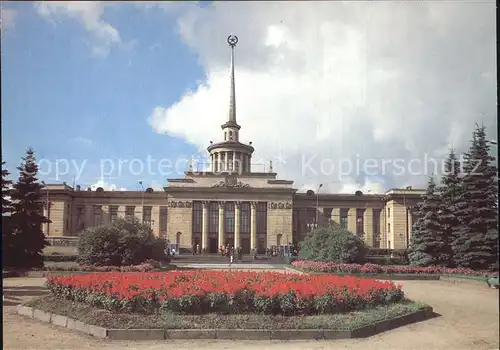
[[245, 245], [212, 245]]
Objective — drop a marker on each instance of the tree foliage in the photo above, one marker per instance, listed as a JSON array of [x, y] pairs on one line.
[[7, 240], [26, 240], [449, 193], [427, 244], [6, 188], [475, 242], [126, 242], [331, 243]]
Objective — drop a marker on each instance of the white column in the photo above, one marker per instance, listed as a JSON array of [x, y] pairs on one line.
[[221, 224], [204, 227], [226, 161], [234, 161], [237, 241], [253, 225]]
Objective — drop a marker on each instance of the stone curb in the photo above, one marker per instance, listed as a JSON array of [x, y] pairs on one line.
[[229, 334]]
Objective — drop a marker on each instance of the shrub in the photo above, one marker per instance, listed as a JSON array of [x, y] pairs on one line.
[[327, 267], [55, 257], [126, 242], [333, 244], [203, 291]]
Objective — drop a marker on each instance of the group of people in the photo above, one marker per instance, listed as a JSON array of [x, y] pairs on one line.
[[229, 251], [276, 251], [196, 249]]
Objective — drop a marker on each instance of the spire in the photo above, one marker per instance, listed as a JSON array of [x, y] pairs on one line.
[[232, 40]]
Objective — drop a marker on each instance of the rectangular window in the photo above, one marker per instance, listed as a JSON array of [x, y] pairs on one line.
[[245, 217], [295, 220], [146, 215], [360, 221], [343, 218], [376, 228], [129, 212], [80, 219], [261, 217], [97, 215], [213, 217], [163, 219], [197, 217], [388, 228], [388, 213], [229, 217], [113, 213]]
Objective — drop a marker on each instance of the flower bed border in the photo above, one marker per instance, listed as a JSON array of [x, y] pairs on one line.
[[379, 276], [232, 334], [396, 277]]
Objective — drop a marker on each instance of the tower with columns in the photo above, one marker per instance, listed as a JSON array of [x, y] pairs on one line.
[[230, 155]]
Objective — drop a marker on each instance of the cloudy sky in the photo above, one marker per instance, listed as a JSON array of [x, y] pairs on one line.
[[358, 95]]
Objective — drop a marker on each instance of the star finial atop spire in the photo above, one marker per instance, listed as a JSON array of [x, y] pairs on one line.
[[232, 40]]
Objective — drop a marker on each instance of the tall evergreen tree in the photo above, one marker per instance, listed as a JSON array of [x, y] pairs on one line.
[[27, 217], [6, 187], [476, 240], [7, 241], [426, 243], [449, 194]]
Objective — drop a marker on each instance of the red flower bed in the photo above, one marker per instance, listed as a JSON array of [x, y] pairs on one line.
[[202, 291], [315, 266]]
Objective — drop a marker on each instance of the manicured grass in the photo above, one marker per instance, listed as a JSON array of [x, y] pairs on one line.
[[168, 320]]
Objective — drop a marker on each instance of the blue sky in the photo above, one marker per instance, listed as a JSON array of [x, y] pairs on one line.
[[325, 90], [68, 104]]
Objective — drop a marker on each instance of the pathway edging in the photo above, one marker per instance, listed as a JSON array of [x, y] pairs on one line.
[[233, 334]]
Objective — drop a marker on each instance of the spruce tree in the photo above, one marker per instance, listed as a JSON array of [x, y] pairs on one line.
[[476, 240], [6, 187], [449, 194], [426, 243], [27, 217], [7, 241]]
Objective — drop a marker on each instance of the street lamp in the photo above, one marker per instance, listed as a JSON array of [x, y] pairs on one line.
[[317, 203], [142, 201], [312, 225], [406, 216], [47, 205]]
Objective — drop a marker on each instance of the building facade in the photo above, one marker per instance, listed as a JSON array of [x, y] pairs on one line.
[[231, 204]]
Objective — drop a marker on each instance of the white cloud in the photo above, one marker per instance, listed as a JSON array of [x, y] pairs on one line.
[[89, 13], [7, 18], [83, 141], [383, 80]]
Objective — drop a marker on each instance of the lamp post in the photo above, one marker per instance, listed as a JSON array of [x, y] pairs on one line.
[[47, 205], [407, 237], [317, 203], [142, 201]]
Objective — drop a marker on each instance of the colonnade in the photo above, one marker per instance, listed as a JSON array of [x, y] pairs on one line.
[[237, 229], [230, 160]]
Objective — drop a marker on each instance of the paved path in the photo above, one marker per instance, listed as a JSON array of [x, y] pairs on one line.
[[469, 320]]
